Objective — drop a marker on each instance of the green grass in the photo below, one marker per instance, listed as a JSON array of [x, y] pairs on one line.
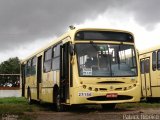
[[12, 100], [17, 106]]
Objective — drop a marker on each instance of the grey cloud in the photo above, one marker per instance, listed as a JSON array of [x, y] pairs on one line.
[[145, 12], [22, 21]]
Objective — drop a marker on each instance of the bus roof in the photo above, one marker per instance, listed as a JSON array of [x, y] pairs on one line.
[[70, 34], [148, 50]]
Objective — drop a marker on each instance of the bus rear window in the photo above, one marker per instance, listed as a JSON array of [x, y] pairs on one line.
[[104, 35]]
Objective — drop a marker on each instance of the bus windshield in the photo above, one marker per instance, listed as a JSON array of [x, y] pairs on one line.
[[106, 59]]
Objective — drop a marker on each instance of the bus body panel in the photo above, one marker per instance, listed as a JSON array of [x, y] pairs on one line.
[[150, 78]]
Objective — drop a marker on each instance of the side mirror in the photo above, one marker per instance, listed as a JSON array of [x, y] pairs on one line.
[[72, 49]]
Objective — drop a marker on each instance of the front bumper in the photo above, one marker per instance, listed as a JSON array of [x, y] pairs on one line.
[[85, 96]]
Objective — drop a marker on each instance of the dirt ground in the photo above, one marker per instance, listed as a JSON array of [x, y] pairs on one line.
[[99, 114]]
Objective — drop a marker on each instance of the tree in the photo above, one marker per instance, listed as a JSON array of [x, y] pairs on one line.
[[11, 66]]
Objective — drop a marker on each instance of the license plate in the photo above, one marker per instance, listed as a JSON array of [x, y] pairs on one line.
[[112, 95]]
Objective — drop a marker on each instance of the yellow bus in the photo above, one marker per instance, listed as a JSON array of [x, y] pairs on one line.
[[84, 66], [150, 74]]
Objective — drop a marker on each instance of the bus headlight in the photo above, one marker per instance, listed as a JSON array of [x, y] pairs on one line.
[[125, 88], [134, 85], [96, 89], [90, 88], [84, 86]]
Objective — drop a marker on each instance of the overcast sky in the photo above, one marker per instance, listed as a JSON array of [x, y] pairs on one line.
[[26, 25]]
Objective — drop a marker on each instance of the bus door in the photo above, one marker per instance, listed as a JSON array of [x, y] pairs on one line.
[[64, 72], [145, 77], [39, 76]]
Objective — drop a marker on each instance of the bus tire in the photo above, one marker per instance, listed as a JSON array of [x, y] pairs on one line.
[[108, 106], [30, 101], [59, 106]]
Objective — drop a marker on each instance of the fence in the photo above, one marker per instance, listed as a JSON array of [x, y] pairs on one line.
[[9, 85], [9, 80]]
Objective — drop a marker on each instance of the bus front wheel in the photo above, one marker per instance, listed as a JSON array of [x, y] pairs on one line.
[[30, 101], [59, 106]]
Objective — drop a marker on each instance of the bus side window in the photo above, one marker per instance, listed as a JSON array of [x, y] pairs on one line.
[[56, 57], [25, 70], [158, 60], [47, 60], [147, 66], [154, 62], [142, 67], [28, 71], [33, 65]]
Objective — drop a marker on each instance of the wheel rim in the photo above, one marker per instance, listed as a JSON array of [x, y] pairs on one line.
[[29, 99], [58, 104]]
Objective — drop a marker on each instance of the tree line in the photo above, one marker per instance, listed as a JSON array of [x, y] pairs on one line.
[[10, 66]]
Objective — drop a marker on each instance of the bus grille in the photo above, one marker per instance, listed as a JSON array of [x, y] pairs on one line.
[[104, 98]]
